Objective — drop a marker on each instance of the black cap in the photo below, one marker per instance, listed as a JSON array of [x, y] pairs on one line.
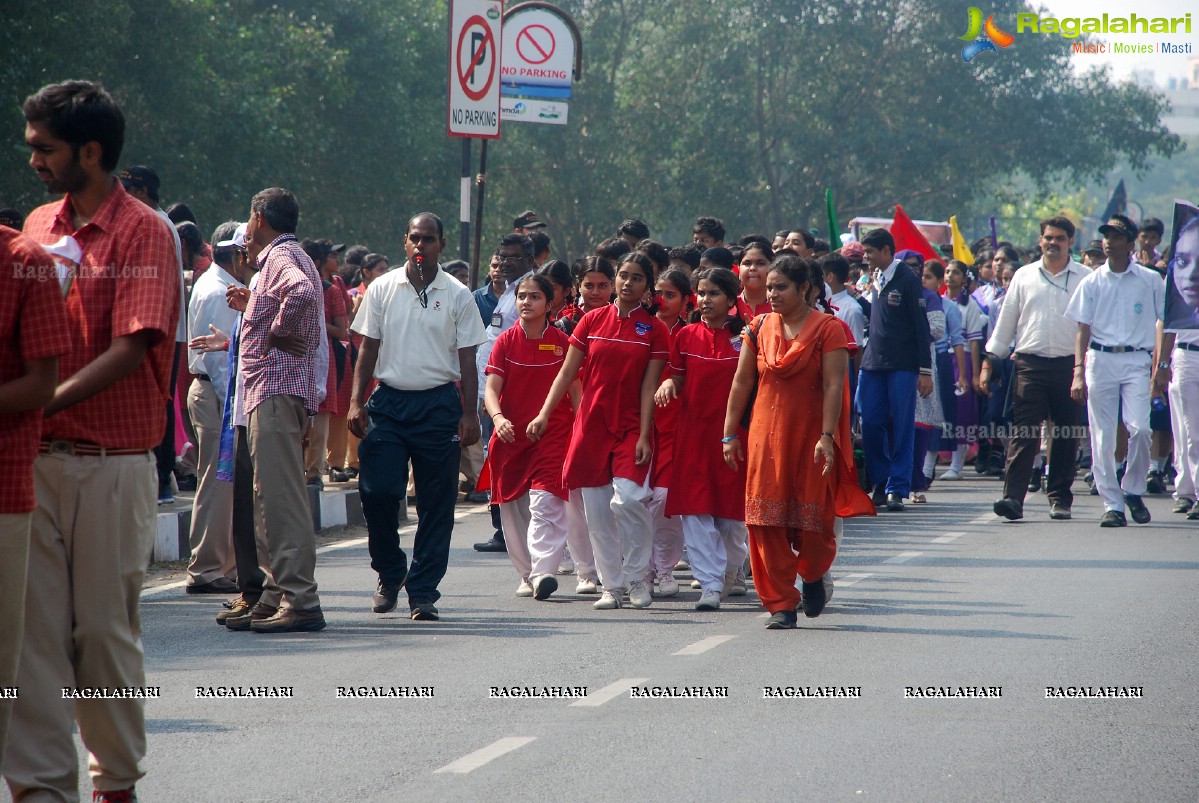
[[527, 220], [1094, 245], [141, 176], [1119, 224]]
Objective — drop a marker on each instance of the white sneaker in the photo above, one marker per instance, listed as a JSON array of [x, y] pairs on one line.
[[708, 601], [738, 588], [567, 566], [586, 586], [952, 474], [667, 585], [525, 589], [607, 601], [639, 596], [684, 564], [730, 579], [695, 584]]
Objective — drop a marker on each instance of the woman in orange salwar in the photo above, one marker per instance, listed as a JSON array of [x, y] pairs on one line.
[[800, 453]]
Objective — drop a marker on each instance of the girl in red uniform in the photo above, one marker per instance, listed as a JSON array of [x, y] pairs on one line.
[[596, 278], [755, 264], [526, 480], [704, 496], [675, 301], [611, 444]]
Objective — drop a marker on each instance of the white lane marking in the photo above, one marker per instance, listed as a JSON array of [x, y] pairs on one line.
[[609, 692], [459, 516], [948, 538], [472, 761], [903, 557], [983, 519], [703, 645], [850, 579]]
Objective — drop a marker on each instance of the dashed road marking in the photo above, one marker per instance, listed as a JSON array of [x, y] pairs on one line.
[[609, 692], [903, 557], [703, 645], [484, 755], [850, 579], [948, 538]]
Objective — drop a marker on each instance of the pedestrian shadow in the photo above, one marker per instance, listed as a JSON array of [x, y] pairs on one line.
[[905, 608], [950, 632], [186, 726]]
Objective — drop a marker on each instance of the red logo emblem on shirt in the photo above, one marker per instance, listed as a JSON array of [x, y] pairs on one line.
[[436, 305]]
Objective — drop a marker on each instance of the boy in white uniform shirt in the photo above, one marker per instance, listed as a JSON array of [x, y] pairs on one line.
[[1117, 308]]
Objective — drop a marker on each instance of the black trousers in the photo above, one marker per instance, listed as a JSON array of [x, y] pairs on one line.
[[245, 549], [421, 426], [1040, 391], [164, 453]]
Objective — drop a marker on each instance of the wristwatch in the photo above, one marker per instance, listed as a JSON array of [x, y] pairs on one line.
[[1164, 365]]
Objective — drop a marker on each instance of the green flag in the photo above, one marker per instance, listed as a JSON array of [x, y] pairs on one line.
[[834, 238]]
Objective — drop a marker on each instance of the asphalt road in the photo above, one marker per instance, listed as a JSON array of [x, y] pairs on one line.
[[943, 598]]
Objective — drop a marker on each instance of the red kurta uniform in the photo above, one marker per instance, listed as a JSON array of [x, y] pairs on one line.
[[337, 401], [748, 313], [529, 367], [618, 349], [702, 483], [665, 423]]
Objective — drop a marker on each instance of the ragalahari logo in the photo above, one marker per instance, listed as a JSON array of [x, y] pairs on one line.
[[975, 26]]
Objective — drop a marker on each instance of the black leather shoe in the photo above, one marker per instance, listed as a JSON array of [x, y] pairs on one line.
[[385, 597], [1059, 512], [493, 545], [782, 620], [425, 612], [879, 497], [815, 595], [1034, 481], [221, 585], [1155, 483], [1183, 505], [894, 503], [1010, 509], [1136, 506], [1113, 518]]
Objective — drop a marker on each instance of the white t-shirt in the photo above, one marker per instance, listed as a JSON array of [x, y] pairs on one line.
[[418, 344]]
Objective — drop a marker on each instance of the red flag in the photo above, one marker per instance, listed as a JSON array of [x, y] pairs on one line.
[[906, 235]]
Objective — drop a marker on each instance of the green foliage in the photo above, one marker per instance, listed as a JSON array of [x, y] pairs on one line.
[[744, 109]]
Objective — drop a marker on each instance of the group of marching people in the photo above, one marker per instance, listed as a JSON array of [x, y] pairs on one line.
[[646, 415]]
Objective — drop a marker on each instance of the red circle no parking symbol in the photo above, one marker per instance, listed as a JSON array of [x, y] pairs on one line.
[[536, 44], [469, 60]]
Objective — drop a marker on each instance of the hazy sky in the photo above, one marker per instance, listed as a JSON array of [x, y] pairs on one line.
[[1163, 65]]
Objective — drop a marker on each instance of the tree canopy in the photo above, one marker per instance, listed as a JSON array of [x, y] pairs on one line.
[[743, 109]]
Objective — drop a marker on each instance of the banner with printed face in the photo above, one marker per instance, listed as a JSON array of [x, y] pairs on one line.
[[1182, 274]]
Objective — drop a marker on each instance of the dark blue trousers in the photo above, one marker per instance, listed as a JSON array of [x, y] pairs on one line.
[[421, 426], [887, 404]]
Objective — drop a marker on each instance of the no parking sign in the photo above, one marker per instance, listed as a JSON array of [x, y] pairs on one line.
[[474, 97]]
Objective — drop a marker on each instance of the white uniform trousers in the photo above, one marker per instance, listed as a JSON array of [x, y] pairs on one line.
[[715, 546], [577, 538], [535, 533], [1112, 379], [1184, 421], [620, 529], [668, 537]]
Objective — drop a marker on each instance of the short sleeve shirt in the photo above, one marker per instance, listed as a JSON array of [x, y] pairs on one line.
[[418, 344], [128, 282], [33, 326], [1123, 308]]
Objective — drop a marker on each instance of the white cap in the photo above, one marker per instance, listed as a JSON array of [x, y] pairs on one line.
[[239, 238]]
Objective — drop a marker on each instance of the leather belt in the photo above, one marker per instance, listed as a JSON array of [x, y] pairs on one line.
[[84, 449], [1186, 346], [1115, 349]]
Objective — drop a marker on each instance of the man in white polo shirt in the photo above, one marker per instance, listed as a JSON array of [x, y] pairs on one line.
[[420, 329], [1117, 309]]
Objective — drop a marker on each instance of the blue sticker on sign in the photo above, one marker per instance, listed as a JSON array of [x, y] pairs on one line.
[[643, 328]]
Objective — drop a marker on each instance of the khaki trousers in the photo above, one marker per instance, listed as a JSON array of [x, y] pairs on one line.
[[286, 541], [90, 543], [14, 560], [314, 455], [211, 534], [337, 455]]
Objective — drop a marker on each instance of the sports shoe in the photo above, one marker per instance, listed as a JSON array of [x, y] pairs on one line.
[[708, 601], [1113, 518], [386, 594], [1010, 509], [1183, 505], [684, 564], [607, 601], [525, 589], [544, 585], [667, 585], [738, 588], [1136, 506], [782, 620], [639, 594], [696, 584], [290, 620], [425, 612], [730, 577], [586, 586], [951, 474], [1155, 483], [567, 565]]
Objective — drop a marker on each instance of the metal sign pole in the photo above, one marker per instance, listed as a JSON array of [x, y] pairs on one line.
[[464, 210], [482, 181]]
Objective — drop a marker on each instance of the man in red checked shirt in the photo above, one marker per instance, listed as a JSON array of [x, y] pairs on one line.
[[94, 477], [33, 335]]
